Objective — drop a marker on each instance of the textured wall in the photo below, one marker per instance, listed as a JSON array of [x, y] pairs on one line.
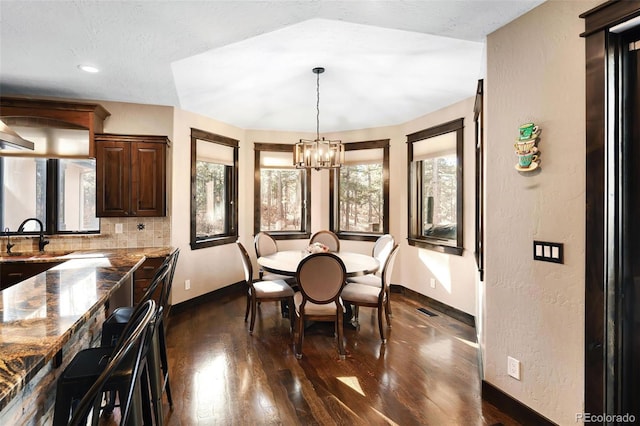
[[535, 310]]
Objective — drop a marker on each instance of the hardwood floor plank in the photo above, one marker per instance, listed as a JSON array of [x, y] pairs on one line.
[[426, 374]]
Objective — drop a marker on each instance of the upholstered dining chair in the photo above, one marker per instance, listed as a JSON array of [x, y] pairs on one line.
[[374, 297], [327, 238], [265, 245], [320, 278], [381, 250], [275, 290]]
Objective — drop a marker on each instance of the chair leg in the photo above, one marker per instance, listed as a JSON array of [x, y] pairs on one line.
[[298, 346], [246, 313], [389, 313], [380, 327], [356, 313], [253, 313], [165, 363], [290, 308], [62, 408], [339, 320]]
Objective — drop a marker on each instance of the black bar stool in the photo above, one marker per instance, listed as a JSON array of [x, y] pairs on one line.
[[121, 369], [157, 356]]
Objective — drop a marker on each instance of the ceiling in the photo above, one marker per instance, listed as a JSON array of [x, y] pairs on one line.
[[249, 63]]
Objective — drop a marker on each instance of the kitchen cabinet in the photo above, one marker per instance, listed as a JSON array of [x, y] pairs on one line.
[[142, 279], [13, 272], [130, 175]]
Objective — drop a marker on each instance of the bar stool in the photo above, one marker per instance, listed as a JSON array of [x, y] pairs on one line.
[[157, 356], [120, 369]]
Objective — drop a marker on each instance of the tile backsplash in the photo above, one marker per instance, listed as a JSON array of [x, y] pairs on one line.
[[136, 232]]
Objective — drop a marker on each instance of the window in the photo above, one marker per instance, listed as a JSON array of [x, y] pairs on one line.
[[435, 187], [214, 189], [59, 192], [359, 192], [282, 193]]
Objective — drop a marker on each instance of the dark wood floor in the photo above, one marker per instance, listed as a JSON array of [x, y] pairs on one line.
[[426, 374]]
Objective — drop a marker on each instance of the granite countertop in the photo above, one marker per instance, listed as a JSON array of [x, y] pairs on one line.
[[40, 314]]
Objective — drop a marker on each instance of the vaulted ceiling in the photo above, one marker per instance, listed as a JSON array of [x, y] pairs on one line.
[[249, 63]]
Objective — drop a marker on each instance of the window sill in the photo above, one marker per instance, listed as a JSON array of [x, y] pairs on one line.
[[358, 236], [289, 235], [211, 242], [435, 246]]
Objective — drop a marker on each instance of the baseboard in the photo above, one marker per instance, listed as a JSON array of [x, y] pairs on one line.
[[435, 304], [231, 289], [513, 407]]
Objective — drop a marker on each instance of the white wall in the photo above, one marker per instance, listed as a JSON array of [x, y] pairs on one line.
[[534, 309], [209, 268], [455, 276]]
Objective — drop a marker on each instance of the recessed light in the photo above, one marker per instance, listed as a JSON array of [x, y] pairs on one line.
[[88, 68]]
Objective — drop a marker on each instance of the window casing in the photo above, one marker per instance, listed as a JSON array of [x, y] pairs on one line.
[[60, 192], [282, 193], [435, 187], [214, 189], [359, 192]]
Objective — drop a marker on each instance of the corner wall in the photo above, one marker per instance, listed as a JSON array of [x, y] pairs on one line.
[[455, 276], [534, 309]]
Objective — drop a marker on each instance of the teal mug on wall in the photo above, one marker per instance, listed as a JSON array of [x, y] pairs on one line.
[[528, 131], [525, 160]]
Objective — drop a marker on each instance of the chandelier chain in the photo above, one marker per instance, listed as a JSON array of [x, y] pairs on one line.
[[317, 106]]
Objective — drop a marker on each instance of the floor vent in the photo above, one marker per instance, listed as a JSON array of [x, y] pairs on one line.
[[427, 313]]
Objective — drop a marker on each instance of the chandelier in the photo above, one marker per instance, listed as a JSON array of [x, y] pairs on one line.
[[318, 153]]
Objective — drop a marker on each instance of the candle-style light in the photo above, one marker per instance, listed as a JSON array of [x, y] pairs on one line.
[[319, 153]]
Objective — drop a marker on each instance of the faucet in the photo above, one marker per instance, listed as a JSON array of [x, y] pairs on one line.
[[9, 245], [41, 242]]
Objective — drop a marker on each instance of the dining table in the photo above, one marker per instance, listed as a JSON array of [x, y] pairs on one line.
[[286, 262]]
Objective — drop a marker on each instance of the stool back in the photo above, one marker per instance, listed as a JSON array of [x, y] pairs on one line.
[[135, 340]]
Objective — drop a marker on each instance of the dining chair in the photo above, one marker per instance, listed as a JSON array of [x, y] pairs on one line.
[[327, 238], [274, 290], [320, 278], [373, 297], [265, 245], [381, 250]]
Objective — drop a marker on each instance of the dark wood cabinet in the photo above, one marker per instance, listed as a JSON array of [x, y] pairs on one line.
[[12, 273], [130, 175], [142, 278]]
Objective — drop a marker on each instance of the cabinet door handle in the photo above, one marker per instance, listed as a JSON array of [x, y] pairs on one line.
[[14, 274], [148, 268]]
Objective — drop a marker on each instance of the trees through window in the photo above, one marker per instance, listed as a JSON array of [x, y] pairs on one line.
[[435, 187], [359, 193], [214, 189], [281, 193]]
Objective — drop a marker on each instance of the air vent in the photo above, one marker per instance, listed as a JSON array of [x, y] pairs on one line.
[[427, 312]]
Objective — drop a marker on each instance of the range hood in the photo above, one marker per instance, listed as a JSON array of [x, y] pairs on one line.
[[10, 139]]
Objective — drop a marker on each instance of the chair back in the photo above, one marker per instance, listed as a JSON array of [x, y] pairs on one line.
[[160, 278], [264, 244], [136, 338], [246, 264], [172, 261], [382, 248], [327, 238], [321, 277], [388, 267]]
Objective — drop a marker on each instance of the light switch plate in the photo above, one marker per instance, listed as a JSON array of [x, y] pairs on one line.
[[548, 252]]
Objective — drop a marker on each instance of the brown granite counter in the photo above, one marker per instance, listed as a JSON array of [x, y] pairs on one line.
[[39, 315]]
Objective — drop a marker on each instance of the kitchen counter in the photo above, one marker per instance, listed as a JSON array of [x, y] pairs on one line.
[[40, 315]]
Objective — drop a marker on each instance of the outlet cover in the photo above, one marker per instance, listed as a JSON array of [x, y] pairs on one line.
[[187, 284], [432, 283], [513, 367], [118, 228]]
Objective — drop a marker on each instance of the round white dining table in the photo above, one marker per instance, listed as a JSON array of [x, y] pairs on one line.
[[286, 262]]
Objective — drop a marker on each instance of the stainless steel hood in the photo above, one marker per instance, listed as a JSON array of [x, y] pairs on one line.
[[10, 139]]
